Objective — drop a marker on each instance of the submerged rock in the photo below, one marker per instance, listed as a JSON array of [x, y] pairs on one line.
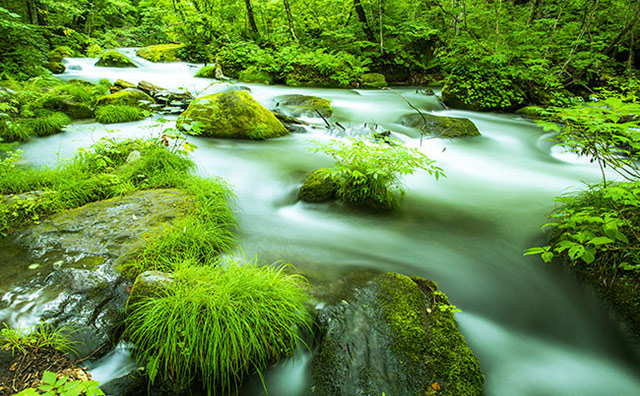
[[318, 187], [160, 52], [393, 335], [233, 114], [78, 250], [114, 59], [303, 105], [127, 96], [172, 102], [447, 127]]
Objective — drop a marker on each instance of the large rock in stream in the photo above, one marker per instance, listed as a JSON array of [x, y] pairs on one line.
[[231, 114], [446, 127], [393, 335], [72, 257]]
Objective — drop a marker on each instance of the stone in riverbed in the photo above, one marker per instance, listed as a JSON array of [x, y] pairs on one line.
[[114, 59], [127, 96], [318, 187], [160, 52], [446, 127], [233, 114], [393, 335], [303, 105]]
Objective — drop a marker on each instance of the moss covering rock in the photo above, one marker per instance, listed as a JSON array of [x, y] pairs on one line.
[[318, 187], [94, 51], [393, 335], [531, 111], [60, 53], [55, 67], [303, 105], [373, 80], [446, 127], [160, 52], [209, 72], [253, 75], [114, 59], [127, 96], [233, 114]]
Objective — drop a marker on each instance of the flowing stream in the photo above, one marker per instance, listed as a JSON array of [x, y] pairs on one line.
[[535, 329]]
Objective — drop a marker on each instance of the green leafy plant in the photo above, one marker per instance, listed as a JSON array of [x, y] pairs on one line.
[[369, 173], [49, 123], [40, 336], [218, 322], [606, 132], [63, 386]]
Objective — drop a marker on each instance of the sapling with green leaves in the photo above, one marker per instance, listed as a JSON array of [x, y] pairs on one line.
[[369, 173]]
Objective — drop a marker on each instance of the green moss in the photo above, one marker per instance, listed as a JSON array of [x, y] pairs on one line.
[[373, 80], [129, 97], [233, 114], [160, 52], [94, 51], [59, 53], [114, 59], [531, 111], [206, 72], [253, 75], [55, 67], [445, 127], [305, 105], [113, 114], [318, 187], [452, 364]]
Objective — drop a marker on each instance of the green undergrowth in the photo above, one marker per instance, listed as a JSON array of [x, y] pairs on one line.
[[41, 336], [113, 114], [43, 106], [107, 169], [217, 323], [597, 233], [52, 385]]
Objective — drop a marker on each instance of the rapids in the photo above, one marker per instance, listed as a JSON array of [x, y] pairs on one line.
[[535, 329]]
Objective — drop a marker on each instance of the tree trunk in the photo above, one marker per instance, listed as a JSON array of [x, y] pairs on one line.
[[252, 21], [32, 12], [363, 20], [292, 31]]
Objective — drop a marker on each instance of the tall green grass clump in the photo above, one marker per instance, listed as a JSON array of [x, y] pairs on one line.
[[113, 114], [217, 323], [369, 173], [49, 123]]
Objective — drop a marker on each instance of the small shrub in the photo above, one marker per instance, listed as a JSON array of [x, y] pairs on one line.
[[113, 114], [368, 173], [218, 323], [43, 335]]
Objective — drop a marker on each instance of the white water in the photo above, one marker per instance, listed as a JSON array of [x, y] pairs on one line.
[[535, 329]]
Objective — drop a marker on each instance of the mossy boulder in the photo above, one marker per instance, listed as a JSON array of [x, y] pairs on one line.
[[75, 110], [148, 284], [60, 53], [94, 51], [486, 91], [531, 112], [319, 186], [114, 59], [55, 67], [373, 80], [446, 127], [233, 114], [209, 72], [119, 85], [303, 105], [393, 335], [160, 52], [127, 96], [253, 75]]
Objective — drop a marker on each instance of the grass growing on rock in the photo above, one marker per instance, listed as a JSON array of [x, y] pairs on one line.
[[49, 123], [113, 114], [217, 323]]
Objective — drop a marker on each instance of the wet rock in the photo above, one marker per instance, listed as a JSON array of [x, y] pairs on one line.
[[77, 283], [531, 112], [119, 85], [292, 124], [172, 102], [253, 75], [233, 114], [55, 67], [160, 52], [303, 105], [147, 284], [318, 187], [127, 96], [446, 127], [373, 80], [59, 53], [114, 59], [393, 335]]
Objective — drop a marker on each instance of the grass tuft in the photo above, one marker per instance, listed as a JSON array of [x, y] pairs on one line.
[[217, 323], [113, 114], [49, 123]]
